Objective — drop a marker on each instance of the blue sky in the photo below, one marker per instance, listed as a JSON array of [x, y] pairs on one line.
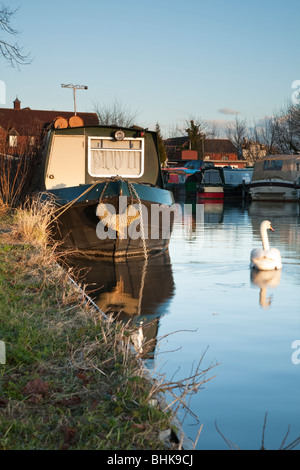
[[165, 60]]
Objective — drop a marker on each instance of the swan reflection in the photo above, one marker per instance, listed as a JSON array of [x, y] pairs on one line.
[[133, 290], [265, 280]]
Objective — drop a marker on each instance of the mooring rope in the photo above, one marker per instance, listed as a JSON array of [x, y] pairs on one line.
[[69, 204]]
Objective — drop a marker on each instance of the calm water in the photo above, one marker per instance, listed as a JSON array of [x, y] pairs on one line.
[[202, 301]]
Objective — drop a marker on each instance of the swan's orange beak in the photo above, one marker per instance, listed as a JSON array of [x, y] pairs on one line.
[[271, 228]]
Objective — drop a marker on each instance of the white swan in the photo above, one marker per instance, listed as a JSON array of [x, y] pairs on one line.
[[266, 259]]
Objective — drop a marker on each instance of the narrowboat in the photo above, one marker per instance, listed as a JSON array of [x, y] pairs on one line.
[[224, 182], [276, 178], [184, 179], [108, 186]]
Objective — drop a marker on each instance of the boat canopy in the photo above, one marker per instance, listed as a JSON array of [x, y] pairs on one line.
[[223, 175], [237, 176], [282, 167]]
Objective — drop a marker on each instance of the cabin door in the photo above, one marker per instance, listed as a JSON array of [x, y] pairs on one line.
[[66, 165]]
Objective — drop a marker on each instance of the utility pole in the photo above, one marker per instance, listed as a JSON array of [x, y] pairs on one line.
[[74, 87]]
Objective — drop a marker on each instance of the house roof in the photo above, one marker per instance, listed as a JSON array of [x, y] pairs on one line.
[[27, 121], [210, 145], [219, 146], [176, 141]]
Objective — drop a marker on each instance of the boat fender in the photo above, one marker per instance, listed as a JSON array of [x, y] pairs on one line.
[[117, 222]]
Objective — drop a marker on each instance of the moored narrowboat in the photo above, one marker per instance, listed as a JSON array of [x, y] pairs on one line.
[[224, 182], [108, 187]]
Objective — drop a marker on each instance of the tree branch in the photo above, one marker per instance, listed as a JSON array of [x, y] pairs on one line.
[[11, 52]]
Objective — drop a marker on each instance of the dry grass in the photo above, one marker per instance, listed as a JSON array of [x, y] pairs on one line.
[[32, 222]]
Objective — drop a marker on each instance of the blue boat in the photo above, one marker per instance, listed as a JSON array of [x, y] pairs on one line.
[[227, 182], [108, 186]]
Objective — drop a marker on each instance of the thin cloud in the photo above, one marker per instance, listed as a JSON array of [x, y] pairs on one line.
[[228, 111]]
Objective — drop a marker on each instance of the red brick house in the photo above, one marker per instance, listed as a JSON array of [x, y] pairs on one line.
[[221, 151], [21, 128]]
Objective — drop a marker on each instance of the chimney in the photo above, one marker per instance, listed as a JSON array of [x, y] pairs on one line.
[[17, 103]]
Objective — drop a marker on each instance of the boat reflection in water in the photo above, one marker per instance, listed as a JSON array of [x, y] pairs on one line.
[[134, 290]]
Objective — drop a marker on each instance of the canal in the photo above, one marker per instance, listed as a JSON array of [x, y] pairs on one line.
[[200, 302]]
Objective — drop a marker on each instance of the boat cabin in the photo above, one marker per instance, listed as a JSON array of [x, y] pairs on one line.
[[233, 181], [282, 167], [84, 155], [276, 177]]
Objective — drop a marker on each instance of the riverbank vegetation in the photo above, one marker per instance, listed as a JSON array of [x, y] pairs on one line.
[[71, 380]]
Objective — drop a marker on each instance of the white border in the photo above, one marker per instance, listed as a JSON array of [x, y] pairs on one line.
[[90, 138]]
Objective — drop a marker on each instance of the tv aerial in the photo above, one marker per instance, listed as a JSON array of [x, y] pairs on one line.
[[74, 87]]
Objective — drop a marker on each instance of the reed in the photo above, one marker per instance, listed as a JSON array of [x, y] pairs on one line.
[[32, 221], [17, 173]]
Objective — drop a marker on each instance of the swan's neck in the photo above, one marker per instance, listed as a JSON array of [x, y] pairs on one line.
[[265, 239]]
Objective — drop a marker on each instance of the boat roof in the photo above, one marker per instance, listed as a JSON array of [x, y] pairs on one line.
[[287, 169], [280, 157]]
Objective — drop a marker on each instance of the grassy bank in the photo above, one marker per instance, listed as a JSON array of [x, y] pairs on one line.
[[71, 379]]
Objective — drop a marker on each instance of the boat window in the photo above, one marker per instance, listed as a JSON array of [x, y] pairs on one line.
[[211, 176], [272, 165], [109, 157]]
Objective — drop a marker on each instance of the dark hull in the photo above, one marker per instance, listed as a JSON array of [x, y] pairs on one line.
[[236, 192], [79, 229]]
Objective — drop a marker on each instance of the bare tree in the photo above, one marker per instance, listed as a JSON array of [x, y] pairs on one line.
[[272, 135], [236, 132], [11, 52], [214, 131], [286, 129], [176, 131], [279, 133], [115, 114], [265, 132]]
